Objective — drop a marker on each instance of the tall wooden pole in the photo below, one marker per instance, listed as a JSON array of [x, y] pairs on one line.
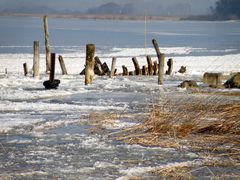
[[36, 59], [89, 70], [113, 67], [47, 44]]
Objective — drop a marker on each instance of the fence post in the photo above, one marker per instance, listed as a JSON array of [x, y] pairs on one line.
[[36, 59], [144, 70], [52, 72], [161, 68], [161, 58], [170, 67], [89, 70], [113, 67], [62, 65], [47, 44], [125, 71], [150, 66], [136, 65], [25, 68]]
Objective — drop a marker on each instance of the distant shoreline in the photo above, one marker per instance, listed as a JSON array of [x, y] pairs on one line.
[[98, 17], [122, 17]]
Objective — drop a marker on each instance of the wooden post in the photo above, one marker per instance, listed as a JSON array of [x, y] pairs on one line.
[[155, 68], [47, 44], [52, 72], [36, 59], [150, 66], [161, 68], [144, 70], [161, 58], [89, 70], [62, 64], [98, 67], [113, 67], [125, 71], [6, 71], [170, 67], [25, 68], [136, 65]]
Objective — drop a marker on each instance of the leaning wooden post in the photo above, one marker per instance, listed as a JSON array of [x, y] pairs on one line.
[[161, 58], [161, 68], [52, 72], [89, 70], [170, 67], [62, 65], [36, 59], [113, 67], [47, 44], [25, 68], [150, 66], [136, 65]]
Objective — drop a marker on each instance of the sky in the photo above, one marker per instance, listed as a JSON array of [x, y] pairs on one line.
[[197, 6]]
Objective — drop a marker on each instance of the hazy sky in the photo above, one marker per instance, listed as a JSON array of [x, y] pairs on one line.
[[197, 6]]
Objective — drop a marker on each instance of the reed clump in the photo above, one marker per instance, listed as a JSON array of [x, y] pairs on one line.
[[193, 124]]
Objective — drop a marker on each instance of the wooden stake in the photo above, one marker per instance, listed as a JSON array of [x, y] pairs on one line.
[[136, 65], [113, 67], [150, 66], [155, 68], [52, 72], [170, 67], [36, 59], [62, 65], [125, 71], [161, 69], [25, 68], [144, 70], [89, 70], [161, 58], [47, 44]]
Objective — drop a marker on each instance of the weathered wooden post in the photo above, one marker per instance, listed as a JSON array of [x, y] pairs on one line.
[[62, 65], [161, 68], [150, 66], [136, 65], [89, 70], [52, 83], [161, 58], [170, 66], [144, 70], [25, 68], [155, 68], [47, 44], [36, 59], [6, 71], [52, 72], [125, 71], [98, 67], [113, 67]]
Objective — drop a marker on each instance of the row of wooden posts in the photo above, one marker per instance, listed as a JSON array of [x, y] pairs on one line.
[[94, 64]]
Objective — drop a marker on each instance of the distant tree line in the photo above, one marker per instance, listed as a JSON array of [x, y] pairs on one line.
[[227, 9]]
